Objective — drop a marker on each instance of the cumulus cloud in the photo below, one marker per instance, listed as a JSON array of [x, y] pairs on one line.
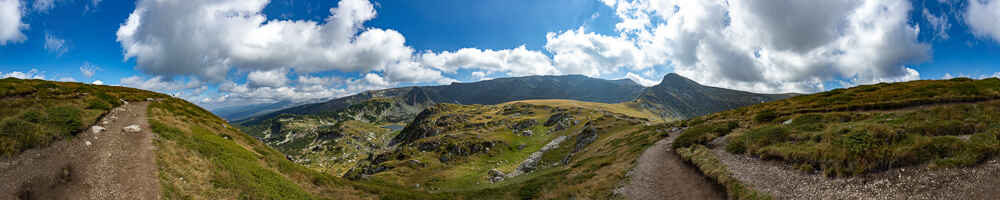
[[88, 69], [982, 18], [97, 82], [775, 46], [160, 84], [515, 62], [225, 33], [272, 78], [578, 52], [31, 74], [11, 24], [640, 80]]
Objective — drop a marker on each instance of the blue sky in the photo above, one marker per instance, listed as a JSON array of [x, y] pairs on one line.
[[237, 53]]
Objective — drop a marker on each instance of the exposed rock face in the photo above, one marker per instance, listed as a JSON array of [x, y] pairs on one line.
[[132, 129], [586, 137], [560, 121], [421, 127], [496, 175], [523, 125], [531, 163]]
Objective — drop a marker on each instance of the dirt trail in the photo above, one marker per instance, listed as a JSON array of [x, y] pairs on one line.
[[661, 174], [915, 182], [112, 164]]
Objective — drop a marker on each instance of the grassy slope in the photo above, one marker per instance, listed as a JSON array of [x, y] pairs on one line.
[[871, 128], [199, 155], [592, 173], [192, 140], [35, 113], [627, 108]]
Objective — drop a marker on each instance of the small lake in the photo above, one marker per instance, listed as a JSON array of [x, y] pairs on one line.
[[394, 127]]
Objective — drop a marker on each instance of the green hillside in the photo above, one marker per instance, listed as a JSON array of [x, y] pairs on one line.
[[34, 113], [940, 124], [198, 154]]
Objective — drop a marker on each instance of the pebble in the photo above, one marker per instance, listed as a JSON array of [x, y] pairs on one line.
[[132, 129], [86, 143], [97, 129]]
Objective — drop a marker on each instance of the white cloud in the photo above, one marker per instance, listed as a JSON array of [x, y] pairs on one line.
[[938, 23], [982, 18], [68, 79], [55, 45], [88, 69], [97, 82], [515, 62], [947, 76], [226, 33], [31, 74], [272, 78], [11, 25], [578, 52], [43, 5], [478, 75], [774, 46], [640, 80], [159, 84], [92, 7]]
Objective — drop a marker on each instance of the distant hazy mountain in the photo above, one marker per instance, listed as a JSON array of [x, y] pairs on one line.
[[677, 97], [233, 113], [408, 101]]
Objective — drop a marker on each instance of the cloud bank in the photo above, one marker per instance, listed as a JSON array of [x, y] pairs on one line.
[[761, 46]]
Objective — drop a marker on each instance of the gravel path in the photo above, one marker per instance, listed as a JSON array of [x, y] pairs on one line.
[[916, 182], [111, 164], [661, 174]]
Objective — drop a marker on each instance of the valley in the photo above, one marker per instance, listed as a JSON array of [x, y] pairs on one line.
[[922, 139]]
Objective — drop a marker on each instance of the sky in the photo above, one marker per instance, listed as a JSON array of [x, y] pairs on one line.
[[219, 53]]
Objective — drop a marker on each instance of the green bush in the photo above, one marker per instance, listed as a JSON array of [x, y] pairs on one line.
[[758, 138], [703, 133], [17, 135], [64, 119], [943, 127], [33, 116], [98, 105], [765, 116]]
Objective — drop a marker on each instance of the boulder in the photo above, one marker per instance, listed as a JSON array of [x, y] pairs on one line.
[[132, 129], [496, 175], [527, 133], [96, 129], [524, 124], [531, 163]]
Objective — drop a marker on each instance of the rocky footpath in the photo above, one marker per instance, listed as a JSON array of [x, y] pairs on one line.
[[915, 182]]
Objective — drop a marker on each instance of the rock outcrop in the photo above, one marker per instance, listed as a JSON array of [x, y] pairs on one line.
[[532, 162]]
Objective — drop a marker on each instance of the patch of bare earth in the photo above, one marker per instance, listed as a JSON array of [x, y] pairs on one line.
[[661, 174], [110, 164], [916, 182]]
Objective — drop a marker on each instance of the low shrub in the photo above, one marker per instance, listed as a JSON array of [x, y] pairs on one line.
[[64, 119], [703, 133], [98, 105], [765, 116]]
